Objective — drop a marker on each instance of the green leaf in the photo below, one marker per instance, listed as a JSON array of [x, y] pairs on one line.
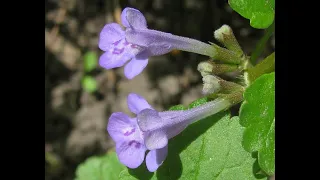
[[207, 150], [195, 103], [100, 168], [177, 107], [89, 84], [265, 66], [198, 102], [90, 61], [140, 173], [260, 12], [257, 116]]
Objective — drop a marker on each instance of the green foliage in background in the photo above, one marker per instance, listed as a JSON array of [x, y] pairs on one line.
[[90, 62], [100, 168], [89, 84]]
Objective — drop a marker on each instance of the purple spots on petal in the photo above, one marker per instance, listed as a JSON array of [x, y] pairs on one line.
[[130, 132], [117, 51], [131, 142], [126, 43], [134, 46], [136, 144], [117, 42]]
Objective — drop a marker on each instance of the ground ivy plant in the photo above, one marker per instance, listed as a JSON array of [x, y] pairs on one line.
[[203, 140]]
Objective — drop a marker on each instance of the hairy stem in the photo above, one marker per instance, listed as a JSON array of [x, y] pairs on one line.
[[261, 44]]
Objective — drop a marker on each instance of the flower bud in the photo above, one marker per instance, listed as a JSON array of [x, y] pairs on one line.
[[209, 67], [210, 84], [225, 36], [213, 84]]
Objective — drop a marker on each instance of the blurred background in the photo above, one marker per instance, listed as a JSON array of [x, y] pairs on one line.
[[80, 96]]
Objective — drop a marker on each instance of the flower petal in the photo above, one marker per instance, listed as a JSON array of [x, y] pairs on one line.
[[155, 158], [108, 60], [120, 126], [149, 120], [133, 18], [110, 34], [169, 122], [173, 121], [135, 67], [136, 103], [155, 139], [156, 42], [176, 129], [131, 153]]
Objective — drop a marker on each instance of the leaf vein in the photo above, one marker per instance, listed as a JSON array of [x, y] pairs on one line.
[[200, 157]]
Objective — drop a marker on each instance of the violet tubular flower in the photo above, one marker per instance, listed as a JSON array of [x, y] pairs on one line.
[[150, 130], [137, 43], [118, 51]]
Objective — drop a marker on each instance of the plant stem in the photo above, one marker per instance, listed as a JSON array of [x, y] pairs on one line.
[[261, 44], [265, 66]]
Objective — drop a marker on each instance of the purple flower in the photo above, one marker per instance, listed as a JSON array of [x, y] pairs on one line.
[[118, 51], [150, 130], [137, 43]]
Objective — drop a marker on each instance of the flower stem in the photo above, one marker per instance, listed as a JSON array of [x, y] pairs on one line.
[[265, 66], [261, 44]]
